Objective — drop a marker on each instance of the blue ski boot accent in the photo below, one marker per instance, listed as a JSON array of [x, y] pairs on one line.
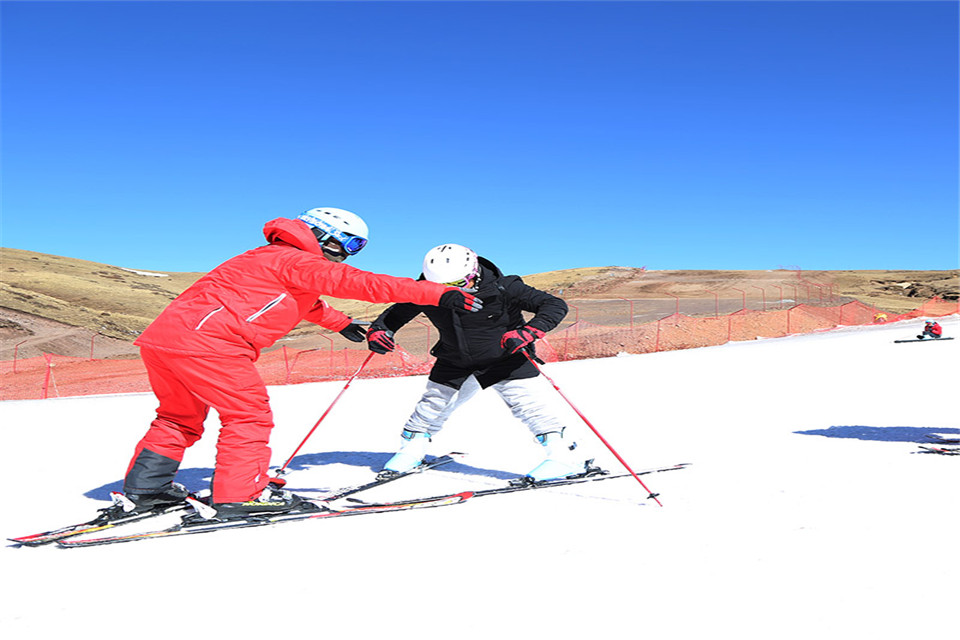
[[411, 452]]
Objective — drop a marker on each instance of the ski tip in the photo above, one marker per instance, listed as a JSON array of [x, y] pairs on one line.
[[33, 540]]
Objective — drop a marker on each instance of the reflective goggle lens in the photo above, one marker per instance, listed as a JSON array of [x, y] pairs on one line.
[[353, 244]]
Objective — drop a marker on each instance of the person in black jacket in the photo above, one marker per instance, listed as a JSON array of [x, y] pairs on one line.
[[477, 351]]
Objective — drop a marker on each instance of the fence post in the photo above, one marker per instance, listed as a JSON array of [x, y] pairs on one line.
[[764, 294], [743, 299], [420, 322], [46, 377], [16, 348]]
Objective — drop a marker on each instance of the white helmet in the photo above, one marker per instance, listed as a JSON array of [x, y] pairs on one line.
[[451, 264], [344, 226]]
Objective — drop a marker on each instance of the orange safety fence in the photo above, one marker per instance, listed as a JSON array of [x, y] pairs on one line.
[[51, 376]]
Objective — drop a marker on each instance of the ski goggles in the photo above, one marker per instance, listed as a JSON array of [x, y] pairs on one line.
[[351, 244], [467, 280]]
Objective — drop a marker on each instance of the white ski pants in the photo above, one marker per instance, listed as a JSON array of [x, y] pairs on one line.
[[526, 398]]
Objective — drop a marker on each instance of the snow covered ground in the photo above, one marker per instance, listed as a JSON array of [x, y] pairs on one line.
[[807, 511]]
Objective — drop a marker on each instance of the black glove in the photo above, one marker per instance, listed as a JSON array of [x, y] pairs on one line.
[[517, 339], [353, 332], [460, 299], [381, 341]]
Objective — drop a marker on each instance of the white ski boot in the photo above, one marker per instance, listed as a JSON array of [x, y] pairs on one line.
[[411, 452], [561, 461]]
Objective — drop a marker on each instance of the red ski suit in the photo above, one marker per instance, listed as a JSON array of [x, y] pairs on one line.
[[200, 353]]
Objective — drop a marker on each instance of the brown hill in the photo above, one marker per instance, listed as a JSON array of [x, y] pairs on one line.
[[53, 304]]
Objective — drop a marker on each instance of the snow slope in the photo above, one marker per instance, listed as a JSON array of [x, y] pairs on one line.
[[807, 510]]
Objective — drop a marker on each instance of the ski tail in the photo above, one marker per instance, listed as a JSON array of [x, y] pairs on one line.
[[189, 526]]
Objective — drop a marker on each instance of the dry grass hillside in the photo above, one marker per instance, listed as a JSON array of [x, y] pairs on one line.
[[53, 304]]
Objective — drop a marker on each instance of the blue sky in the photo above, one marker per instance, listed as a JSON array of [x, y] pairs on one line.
[[546, 135]]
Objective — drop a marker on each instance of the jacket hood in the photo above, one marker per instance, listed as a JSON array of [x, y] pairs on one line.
[[292, 232], [489, 265]]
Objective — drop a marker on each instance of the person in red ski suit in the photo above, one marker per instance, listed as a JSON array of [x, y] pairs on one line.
[[931, 329], [200, 352]]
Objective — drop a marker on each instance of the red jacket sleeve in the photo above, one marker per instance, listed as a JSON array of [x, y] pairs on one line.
[[317, 274], [327, 317]]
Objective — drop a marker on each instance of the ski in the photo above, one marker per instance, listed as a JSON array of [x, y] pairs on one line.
[[311, 510], [113, 516], [593, 475], [944, 451], [922, 340], [384, 479], [936, 437], [525, 484], [109, 517]]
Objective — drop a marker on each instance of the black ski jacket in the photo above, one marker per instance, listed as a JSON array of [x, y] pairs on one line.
[[470, 342]]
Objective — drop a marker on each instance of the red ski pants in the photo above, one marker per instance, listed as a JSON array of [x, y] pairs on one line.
[[187, 386]]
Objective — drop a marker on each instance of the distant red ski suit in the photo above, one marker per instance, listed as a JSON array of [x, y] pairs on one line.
[[200, 353]]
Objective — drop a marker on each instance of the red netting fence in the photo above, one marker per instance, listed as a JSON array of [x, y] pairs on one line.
[[51, 376]]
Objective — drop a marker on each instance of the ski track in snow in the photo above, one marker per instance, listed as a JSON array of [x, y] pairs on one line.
[[808, 510]]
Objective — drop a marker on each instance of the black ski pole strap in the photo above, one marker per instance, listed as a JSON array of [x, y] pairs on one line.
[[532, 355]]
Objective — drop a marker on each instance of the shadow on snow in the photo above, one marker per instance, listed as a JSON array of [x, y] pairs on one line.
[[882, 434], [198, 478]]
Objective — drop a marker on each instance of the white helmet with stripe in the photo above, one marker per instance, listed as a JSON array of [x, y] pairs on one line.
[[344, 226]]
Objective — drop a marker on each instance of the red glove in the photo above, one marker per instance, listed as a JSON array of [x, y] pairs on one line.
[[381, 341], [517, 339]]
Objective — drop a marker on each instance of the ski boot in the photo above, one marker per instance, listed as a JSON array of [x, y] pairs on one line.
[[140, 502], [561, 461], [410, 454]]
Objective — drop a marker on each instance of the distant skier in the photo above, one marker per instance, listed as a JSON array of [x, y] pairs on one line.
[[200, 353], [932, 330], [478, 351]]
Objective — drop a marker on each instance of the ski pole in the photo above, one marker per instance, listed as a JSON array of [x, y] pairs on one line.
[[283, 470], [594, 429]]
